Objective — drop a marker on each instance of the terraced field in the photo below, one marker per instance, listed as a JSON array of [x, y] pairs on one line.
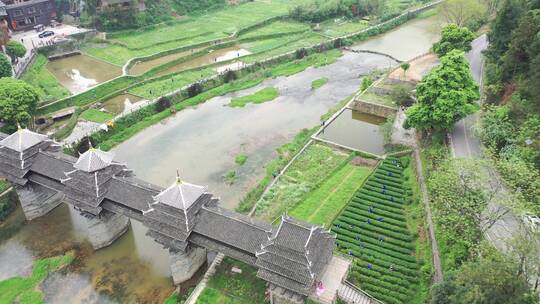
[[373, 228]]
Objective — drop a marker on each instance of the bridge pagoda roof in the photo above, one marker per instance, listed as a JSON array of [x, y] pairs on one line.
[[295, 255], [94, 160], [22, 140], [180, 195]]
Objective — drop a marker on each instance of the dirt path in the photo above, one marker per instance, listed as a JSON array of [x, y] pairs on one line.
[[438, 277]]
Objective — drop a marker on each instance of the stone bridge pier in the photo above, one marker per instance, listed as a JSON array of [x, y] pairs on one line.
[[185, 264], [105, 228]]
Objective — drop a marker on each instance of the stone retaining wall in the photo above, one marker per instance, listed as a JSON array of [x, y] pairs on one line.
[[372, 108]]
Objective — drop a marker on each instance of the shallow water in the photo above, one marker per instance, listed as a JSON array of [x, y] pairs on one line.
[[120, 103], [144, 66], [132, 269], [212, 57], [356, 130], [80, 72], [407, 41]]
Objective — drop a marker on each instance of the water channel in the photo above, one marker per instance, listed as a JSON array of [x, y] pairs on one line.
[[81, 72], [202, 143]]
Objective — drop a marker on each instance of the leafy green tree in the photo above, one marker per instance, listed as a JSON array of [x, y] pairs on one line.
[[460, 193], [18, 101], [491, 279], [445, 95], [5, 66], [497, 129], [405, 66], [502, 26], [454, 37], [15, 49], [524, 45]]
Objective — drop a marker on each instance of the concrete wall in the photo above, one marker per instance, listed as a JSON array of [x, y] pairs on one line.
[[372, 108]]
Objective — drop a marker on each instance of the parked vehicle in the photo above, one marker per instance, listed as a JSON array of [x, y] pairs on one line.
[[46, 34], [39, 27]]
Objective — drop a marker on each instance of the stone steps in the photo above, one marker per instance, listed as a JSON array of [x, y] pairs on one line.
[[354, 296]]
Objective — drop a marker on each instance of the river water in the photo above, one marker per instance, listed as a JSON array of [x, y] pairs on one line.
[[407, 41], [202, 143]]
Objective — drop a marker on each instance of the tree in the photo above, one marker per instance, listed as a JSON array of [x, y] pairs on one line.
[[454, 37], [18, 101], [15, 50], [466, 204], [461, 12], [501, 29], [445, 95], [405, 66], [497, 130], [524, 45], [491, 279], [5, 66], [525, 250]]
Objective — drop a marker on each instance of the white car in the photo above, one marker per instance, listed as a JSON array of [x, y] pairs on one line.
[[532, 221]]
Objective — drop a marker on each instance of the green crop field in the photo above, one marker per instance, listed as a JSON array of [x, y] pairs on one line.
[[373, 228], [322, 205], [278, 27], [215, 25], [309, 170]]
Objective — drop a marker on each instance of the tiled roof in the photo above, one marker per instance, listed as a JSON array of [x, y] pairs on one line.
[[93, 160], [128, 193], [22, 140], [50, 166], [231, 228], [180, 195]]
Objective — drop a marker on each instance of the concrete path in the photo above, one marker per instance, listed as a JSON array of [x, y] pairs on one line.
[[465, 143], [202, 284], [438, 275]]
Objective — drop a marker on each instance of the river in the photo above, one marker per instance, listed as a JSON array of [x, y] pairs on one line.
[[202, 143]]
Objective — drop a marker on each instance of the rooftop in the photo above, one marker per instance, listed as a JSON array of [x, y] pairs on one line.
[[22, 140], [94, 160], [180, 195]]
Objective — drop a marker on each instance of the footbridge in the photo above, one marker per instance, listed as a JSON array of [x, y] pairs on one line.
[[185, 218]]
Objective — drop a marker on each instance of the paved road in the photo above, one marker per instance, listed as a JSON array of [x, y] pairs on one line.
[[465, 143]]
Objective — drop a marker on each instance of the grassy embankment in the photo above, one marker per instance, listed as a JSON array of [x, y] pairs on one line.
[[47, 85], [227, 287], [317, 83], [264, 95], [26, 290]]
